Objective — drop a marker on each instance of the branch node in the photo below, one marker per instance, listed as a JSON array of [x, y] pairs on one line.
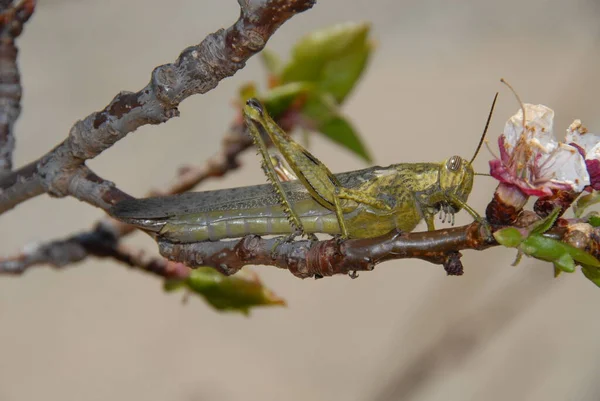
[[453, 264]]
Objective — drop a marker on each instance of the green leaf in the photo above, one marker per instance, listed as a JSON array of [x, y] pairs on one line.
[[582, 256], [271, 61], [510, 237], [551, 250], [236, 293], [536, 245], [592, 274], [540, 227], [319, 108], [586, 201], [277, 100], [334, 58], [594, 219], [339, 76], [564, 263], [342, 132], [322, 111]]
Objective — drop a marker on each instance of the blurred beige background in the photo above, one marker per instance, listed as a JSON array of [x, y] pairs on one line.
[[99, 331]]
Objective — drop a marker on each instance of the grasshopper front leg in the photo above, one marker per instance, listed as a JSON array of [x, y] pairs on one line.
[[323, 186], [475, 215]]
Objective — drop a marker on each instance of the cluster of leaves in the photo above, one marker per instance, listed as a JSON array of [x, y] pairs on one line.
[[531, 241], [309, 89]]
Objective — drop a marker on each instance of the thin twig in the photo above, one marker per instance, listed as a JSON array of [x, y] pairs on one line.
[[12, 20], [198, 69], [100, 242]]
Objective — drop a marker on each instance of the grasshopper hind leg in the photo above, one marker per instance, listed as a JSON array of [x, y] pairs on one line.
[[356, 196], [272, 176]]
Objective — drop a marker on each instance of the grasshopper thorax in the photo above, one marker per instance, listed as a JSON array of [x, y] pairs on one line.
[[456, 180]]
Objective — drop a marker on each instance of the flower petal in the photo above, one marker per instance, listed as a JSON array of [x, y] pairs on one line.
[[499, 171], [592, 162], [565, 167], [579, 135], [539, 119]]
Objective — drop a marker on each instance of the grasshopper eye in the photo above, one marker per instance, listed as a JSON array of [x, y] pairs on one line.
[[454, 163], [255, 104]]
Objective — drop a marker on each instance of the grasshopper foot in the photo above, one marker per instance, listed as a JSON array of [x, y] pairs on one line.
[[339, 238], [282, 240], [286, 240], [353, 274], [487, 229], [292, 236]]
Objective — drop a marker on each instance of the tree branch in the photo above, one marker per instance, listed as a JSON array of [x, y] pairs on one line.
[[12, 20], [327, 258], [198, 69]]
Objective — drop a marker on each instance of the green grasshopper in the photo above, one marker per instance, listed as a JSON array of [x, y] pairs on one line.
[[358, 204]]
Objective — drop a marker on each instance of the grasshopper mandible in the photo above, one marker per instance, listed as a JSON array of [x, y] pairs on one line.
[[358, 204]]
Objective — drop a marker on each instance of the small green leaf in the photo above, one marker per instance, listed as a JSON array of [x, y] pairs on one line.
[[564, 263], [509, 237], [236, 293], [320, 107], [339, 76], [584, 202], [538, 246], [341, 131], [582, 256], [271, 61], [278, 100], [551, 250], [311, 53], [594, 219], [543, 248], [323, 112], [540, 227], [592, 274], [333, 58]]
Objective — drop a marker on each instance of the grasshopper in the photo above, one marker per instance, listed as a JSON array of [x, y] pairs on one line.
[[358, 204]]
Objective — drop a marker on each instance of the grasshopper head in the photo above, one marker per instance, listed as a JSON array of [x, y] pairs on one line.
[[456, 178]]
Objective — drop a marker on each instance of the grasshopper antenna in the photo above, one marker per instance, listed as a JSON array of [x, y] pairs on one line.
[[487, 124], [518, 100]]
